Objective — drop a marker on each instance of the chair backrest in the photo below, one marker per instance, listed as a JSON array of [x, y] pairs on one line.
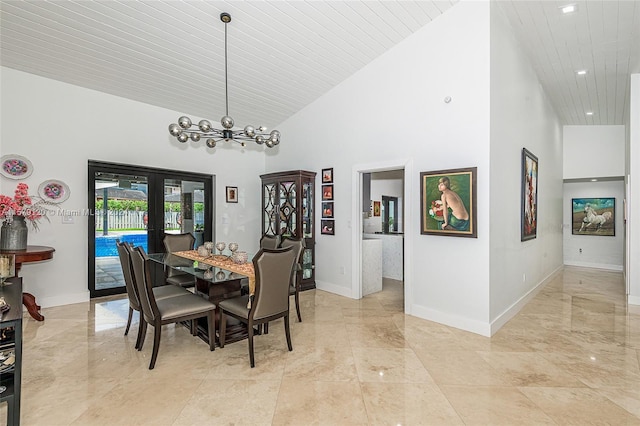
[[142, 279], [270, 242], [273, 274], [298, 247], [124, 251], [178, 242]]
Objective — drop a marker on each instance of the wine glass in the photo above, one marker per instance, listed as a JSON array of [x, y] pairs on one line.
[[220, 246], [209, 246]]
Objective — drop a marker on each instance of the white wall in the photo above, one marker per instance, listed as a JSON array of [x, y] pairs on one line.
[[521, 117], [633, 202], [393, 110], [59, 127], [597, 251], [593, 151]]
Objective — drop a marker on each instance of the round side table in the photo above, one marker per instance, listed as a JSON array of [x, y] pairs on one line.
[[31, 254]]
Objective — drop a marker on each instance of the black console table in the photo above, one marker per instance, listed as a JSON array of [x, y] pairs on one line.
[[11, 341]]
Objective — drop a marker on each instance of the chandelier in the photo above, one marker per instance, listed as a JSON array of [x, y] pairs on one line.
[[186, 129]]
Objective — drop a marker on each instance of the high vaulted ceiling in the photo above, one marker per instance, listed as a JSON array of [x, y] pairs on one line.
[[285, 54]]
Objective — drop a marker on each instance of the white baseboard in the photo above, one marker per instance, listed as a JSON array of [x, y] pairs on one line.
[[606, 266], [65, 299], [335, 289], [633, 300], [466, 324], [513, 310]]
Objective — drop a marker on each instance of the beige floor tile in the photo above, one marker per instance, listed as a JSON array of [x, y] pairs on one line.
[[319, 403], [579, 406], [491, 405], [383, 365], [407, 404], [237, 402], [571, 356]]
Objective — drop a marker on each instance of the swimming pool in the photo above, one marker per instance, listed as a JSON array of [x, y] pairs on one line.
[[106, 244]]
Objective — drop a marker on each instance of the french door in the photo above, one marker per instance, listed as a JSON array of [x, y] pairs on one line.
[[139, 205]]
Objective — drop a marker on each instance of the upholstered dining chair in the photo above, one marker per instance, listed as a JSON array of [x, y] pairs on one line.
[[270, 241], [296, 277], [166, 311], [179, 242], [270, 301], [162, 292]]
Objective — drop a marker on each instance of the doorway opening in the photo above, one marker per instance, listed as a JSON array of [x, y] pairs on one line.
[[139, 205], [381, 210]]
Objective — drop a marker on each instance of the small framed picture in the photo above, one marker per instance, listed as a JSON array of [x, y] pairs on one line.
[[376, 208], [232, 194], [529, 196], [327, 209], [327, 192], [327, 227], [327, 175]]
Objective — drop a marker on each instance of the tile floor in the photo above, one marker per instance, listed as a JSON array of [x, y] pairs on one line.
[[570, 357]]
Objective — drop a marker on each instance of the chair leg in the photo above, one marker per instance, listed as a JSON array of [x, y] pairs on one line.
[[266, 328], [251, 357], [157, 329], [297, 298], [287, 332], [142, 332], [223, 327], [126, 330], [211, 325]]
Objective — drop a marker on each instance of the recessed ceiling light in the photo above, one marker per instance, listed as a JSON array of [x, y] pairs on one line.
[[594, 180], [581, 72], [570, 8], [589, 113]]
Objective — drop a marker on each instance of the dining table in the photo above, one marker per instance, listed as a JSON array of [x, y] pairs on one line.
[[218, 277]]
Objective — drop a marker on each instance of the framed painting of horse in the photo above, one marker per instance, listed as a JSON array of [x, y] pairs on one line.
[[593, 216], [529, 195]]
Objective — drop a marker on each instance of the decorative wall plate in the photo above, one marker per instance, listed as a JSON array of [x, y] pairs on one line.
[[54, 191], [15, 166]]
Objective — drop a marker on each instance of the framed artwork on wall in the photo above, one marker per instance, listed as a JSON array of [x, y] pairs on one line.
[[327, 227], [327, 209], [376, 208], [327, 175], [529, 196], [593, 216], [327, 192], [232, 194], [448, 203]]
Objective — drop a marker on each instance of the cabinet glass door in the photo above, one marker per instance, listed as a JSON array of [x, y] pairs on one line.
[[287, 209], [269, 208]]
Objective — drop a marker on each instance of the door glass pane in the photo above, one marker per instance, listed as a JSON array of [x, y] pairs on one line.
[[184, 208], [120, 213]]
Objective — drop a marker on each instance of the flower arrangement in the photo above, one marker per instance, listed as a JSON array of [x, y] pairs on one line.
[[21, 205], [437, 211]]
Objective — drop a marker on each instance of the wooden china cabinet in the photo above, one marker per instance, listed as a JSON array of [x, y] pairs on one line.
[[288, 211]]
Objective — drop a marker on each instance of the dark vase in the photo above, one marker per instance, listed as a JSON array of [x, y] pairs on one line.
[[13, 236]]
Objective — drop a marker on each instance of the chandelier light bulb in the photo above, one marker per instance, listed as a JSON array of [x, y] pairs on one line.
[[183, 131]]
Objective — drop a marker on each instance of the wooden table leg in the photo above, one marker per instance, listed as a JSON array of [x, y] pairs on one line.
[[29, 301]]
